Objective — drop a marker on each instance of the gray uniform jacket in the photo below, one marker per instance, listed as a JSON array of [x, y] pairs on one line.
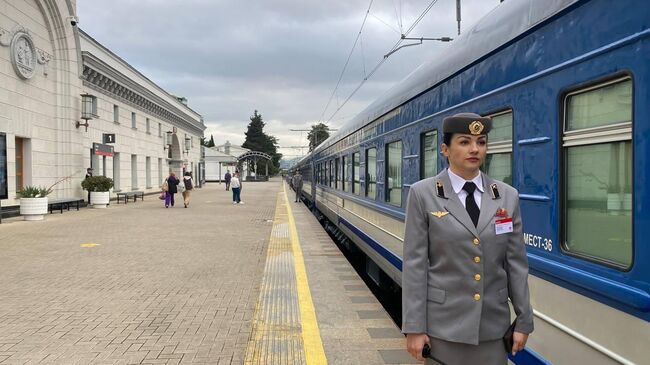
[[296, 180], [457, 278]]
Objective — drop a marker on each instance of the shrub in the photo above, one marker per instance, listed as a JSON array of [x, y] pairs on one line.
[[97, 183], [34, 192]]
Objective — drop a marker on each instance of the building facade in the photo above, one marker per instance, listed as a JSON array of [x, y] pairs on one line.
[[137, 133]]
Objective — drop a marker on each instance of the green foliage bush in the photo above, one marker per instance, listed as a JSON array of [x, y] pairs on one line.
[[97, 183], [34, 192]]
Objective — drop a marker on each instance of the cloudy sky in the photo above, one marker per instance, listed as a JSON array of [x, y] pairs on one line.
[[281, 57]]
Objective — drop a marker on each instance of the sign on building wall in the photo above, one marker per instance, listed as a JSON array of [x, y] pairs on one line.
[[102, 149], [108, 138], [3, 167]]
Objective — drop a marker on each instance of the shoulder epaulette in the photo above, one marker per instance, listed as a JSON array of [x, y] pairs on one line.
[[495, 191], [440, 190]]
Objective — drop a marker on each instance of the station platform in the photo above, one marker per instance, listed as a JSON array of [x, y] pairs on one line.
[[216, 283]]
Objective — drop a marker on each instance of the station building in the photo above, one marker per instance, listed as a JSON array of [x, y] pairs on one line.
[[223, 158], [68, 103]]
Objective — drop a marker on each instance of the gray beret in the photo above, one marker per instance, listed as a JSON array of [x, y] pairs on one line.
[[467, 123]]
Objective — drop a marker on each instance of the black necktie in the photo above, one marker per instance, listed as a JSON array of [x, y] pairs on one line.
[[470, 203]]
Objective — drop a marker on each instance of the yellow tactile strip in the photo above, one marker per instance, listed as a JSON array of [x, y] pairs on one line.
[[285, 329]]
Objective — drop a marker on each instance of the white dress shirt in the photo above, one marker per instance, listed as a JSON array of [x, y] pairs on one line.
[[458, 182]]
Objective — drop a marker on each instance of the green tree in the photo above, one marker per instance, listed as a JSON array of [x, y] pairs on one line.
[[209, 143], [319, 133], [257, 140]]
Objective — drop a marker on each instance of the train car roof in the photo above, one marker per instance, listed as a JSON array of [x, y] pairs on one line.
[[504, 23]]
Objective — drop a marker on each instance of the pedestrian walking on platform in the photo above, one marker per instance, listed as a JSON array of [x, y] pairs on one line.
[[187, 182], [172, 188], [227, 179], [296, 182], [464, 256], [235, 184]]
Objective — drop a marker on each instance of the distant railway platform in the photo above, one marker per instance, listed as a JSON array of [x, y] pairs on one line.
[[217, 283]]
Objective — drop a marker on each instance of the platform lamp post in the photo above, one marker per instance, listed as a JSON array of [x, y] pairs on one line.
[[88, 111]]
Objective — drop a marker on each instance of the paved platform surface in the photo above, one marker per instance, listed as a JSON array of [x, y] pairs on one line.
[[141, 284]]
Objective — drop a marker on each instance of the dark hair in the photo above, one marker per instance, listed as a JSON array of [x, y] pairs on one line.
[[446, 138]]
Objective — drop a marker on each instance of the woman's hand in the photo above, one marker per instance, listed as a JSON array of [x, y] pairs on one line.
[[414, 344], [518, 342]]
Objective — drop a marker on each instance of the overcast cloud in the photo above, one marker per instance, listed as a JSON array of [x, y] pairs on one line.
[[281, 57]]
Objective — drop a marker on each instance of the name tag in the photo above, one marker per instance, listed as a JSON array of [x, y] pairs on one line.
[[502, 226]]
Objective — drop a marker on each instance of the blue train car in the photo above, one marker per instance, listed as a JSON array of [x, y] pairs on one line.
[[566, 83]]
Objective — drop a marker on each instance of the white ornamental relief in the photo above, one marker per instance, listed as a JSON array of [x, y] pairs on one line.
[[23, 54]]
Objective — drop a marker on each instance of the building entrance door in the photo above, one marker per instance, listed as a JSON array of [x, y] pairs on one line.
[[20, 163]]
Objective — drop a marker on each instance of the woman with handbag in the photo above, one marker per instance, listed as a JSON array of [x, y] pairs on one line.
[[172, 183]]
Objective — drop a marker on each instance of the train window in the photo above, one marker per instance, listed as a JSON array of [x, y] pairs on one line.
[[429, 154], [337, 174], [371, 173], [394, 173], [597, 146], [498, 162], [344, 183], [331, 175], [356, 185], [327, 173]]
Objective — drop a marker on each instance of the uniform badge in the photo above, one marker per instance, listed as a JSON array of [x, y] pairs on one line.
[[501, 213], [476, 127], [439, 214]]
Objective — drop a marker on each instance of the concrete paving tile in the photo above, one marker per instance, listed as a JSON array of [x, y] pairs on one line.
[[145, 287], [387, 332], [372, 314], [363, 299], [397, 357], [356, 287]]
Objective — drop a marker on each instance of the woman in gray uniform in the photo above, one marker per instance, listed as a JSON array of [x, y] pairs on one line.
[[464, 256]]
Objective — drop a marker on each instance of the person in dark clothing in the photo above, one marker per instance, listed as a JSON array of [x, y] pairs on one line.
[[296, 182], [187, 181], [172, 183], [89, 173], [227, 179]]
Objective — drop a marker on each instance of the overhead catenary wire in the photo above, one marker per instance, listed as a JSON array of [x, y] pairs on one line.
[[380, 63], [386, 24], [346, 62], [398, 15]]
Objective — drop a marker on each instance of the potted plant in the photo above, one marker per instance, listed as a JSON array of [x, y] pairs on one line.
[[99, 187], [33, 202]]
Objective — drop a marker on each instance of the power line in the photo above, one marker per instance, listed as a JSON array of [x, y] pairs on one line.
[[392, 50], [386, 24], [347, 61], [398, 15]]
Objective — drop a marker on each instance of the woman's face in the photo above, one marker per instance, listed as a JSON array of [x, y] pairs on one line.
[[466, 153]]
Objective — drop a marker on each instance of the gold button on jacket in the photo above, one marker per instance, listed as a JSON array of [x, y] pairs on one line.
[[477, 296], [477, 277]]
